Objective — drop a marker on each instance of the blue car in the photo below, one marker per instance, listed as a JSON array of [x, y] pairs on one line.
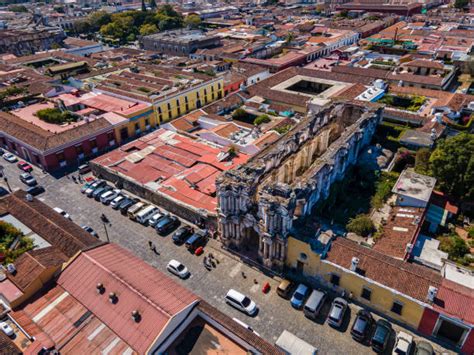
[[299, 296]]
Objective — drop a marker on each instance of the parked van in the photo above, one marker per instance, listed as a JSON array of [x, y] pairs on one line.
[[133, 211], [84, 169], [314, 304], [145, 214], [241, 302]]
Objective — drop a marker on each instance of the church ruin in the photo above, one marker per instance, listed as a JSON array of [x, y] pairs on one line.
[[259, 201]]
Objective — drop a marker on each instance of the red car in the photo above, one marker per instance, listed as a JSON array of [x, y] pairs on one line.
[[23, 165]]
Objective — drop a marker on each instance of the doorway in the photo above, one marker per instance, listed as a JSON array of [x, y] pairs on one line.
[[450, 331]]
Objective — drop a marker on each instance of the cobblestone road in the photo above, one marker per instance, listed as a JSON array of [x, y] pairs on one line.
[[275, 314]]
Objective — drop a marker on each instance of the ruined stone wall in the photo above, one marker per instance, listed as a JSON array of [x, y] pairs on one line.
[[262, 197]]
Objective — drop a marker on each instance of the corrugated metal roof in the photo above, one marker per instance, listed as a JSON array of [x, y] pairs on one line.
[[138, 286]]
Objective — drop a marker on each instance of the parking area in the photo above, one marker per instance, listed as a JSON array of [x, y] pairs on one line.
[[275, 313]]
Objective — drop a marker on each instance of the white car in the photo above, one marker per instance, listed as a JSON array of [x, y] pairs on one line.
[[154, 219], [178, 269], [7, 329], [116, 201], [403, 344], [241, 302], [9, 157], [62, 213]]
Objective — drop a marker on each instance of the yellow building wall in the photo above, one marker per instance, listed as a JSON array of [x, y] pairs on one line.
[[381, 297], [165, 113], [130, 124]]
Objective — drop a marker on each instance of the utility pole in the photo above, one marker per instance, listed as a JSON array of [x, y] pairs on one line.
[[105, 221]]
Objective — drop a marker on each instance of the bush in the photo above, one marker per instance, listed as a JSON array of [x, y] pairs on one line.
[[56, 116], [361, 225], [455, 246], [261, 119], [422, 161], [239, 114], [282, 129], [383, 188], [8, 234]]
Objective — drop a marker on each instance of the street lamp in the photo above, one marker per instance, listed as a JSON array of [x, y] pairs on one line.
[[105, 221], [2, 174]]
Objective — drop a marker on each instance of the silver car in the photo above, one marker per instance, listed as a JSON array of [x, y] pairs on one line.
[[337, 312], [178, 269]]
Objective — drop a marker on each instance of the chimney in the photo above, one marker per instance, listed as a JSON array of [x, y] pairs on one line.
[[29, 197], [354, 263], [409, 248], [136, 316], [113, 297], [432, 292], [100, 288]]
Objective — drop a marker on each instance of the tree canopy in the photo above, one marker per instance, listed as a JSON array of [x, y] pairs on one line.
[[192, 21], [126, 26], [361, 225], [452, 164]]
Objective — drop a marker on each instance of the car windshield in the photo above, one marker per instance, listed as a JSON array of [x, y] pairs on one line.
[[298, 296], [380, 334], [246, 301], [336, 312], [360, 325], [180, 267]]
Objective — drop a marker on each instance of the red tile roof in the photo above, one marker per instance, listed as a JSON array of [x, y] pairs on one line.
[[455, 300], [411, 279], [137, 285]]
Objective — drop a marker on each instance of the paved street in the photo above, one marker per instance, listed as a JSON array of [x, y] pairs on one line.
[[275, 313]]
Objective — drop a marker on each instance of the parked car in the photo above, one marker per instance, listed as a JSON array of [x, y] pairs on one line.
[[196, 240], [62, 213], [35, 190], [109, 196], [167, 224], [285, 289], [7, 329], [381, 336], [362, 325], [241, 302], [90, 231], [299, 296], [145, 214], [155, 218], [182, 234], [9, 157], [115, 203], [178, 269], [84, 169], [337, 312], [3, 191], [127, 204], [87, 185], [135, 209], [23, 165], [95, 186], [314, 304], [423, 348], [403, 344], [101, 190], [28, 179]]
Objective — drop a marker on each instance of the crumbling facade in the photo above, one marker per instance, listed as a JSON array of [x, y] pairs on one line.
[[259, 201]]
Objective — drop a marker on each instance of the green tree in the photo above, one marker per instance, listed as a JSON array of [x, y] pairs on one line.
[[361, 225], [422, 161], [82, 26], [261, 119], [192, 21], [461, 4], [239, 114], [98, 19], [452, 164], [148, 29]]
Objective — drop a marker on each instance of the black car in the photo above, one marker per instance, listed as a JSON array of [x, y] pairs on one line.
[[126, 205], [3, 191], [362, 325], [167, 224], [182, 234], [381, 336], [195, 241], [35, 190]]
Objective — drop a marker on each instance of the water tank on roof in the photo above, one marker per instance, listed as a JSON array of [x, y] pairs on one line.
[[439, 117], [379, 84]]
